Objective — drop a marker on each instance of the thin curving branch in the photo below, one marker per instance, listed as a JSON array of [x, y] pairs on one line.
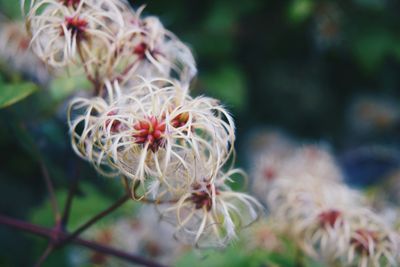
[[50, 189], [96, 218], [45, 255], [68, 204], [50, 234]]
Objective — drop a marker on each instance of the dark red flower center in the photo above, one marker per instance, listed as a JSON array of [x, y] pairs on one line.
[[24, 44], [362, 240], [329, 218], [115, 124], [202, 198], [269, 173], [150, 131], [71, 3], [180, 120], [77, 26], [140, 50]]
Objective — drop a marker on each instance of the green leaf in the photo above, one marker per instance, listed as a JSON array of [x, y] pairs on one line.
[[227, 84], [63, 87], [85, 205], [10, 8], [12, 93], [300, 10], [372, 47]]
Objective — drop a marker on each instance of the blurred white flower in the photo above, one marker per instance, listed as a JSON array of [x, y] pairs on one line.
[[303, 190], [142, 234], [108, 40], [262, 236], [372, 242], [295, 165], [15, 51], [147, 49]]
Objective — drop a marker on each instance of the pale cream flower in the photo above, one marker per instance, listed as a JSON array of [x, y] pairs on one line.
[[75, 32], [328, 220], [83, 117], [210, 213], [150, 131], [372, 243], [262, 236], [350, 235], [313, 160], [276, 170], [325, 233], [292, 200], [108, 40], [147, 49], [269, 166], [264, 142], [15, 51], [171, 148]]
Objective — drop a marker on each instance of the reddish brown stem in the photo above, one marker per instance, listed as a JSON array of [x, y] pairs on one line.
[[68, 204], [50, 189], [92, 221], [49, 233], [45, 255]]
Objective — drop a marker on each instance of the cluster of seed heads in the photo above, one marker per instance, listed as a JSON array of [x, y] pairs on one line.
[[304, 191], [142, 125]]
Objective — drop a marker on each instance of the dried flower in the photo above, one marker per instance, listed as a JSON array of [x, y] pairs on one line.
[[147, 49], [15, 50], [210, 214], [308, 202], [142, 124], [148, 139], [79, 32], [372, 242]]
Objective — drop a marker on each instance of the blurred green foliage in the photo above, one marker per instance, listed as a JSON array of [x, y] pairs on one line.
[[88, 202], [297, 64], [300, 10], [62, 87], [12, 93]]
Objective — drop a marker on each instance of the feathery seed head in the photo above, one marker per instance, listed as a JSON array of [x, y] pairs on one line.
[[15, 50]]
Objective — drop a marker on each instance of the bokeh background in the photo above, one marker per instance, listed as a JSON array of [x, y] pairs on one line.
[[320, 71]]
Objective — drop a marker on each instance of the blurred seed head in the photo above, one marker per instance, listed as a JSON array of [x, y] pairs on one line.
[[16, 53]]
